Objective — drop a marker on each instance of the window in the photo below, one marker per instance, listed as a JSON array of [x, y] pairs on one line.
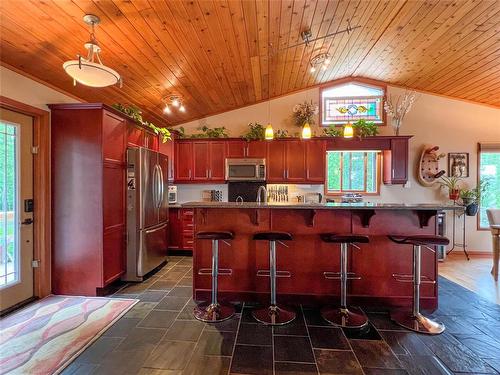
[[489, 173], [9, 210], [351, 102], [352, 172]]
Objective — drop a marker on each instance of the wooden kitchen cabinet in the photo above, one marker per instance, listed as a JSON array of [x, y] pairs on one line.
[[183, 161], [275, 162], [315, 161], [244, 149], [181, 224], [295, 161], [200, 161], [395, 162], [88, 146], [167, 148]]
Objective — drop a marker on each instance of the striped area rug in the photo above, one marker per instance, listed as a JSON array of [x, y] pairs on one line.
[[47, 335]]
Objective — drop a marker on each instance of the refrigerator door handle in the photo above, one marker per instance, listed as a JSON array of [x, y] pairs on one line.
[[155, 228], [162, 188]]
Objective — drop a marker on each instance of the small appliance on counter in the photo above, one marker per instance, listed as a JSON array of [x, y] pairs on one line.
[[246, 190], [172, 194], [245, 169], [313, 198], [352, 198], [147, 212]]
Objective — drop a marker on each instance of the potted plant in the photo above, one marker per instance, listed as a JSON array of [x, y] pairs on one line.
[[453, 185], [471, 198]]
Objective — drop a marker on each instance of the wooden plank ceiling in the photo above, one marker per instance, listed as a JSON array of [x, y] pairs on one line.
[[223, 54]]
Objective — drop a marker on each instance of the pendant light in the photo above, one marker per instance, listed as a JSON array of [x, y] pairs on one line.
[[269, 133], [90, 71], [348, 130], [306, 131]]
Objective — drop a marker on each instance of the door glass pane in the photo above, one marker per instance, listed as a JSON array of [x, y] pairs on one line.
[[9, 215]]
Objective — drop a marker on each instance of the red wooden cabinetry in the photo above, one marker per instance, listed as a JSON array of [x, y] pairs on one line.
[[181, 225], [183, 161], [88, 143], [315, 161], [275, 162], [295, 161], [244, 149], [167, 148], [200, 161], [395, 162]]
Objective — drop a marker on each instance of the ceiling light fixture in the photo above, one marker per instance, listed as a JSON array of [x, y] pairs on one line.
[[173, 101], [348, 130], [90, 71], [320, 60], [306, 131]]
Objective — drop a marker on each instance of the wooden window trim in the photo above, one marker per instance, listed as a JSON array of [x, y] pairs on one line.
[[41, 192], [481, 146], [378, 162], [359, 81]]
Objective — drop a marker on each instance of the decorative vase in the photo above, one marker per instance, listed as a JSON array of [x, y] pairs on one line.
[[471, 209], [454, 194], [396, 124]]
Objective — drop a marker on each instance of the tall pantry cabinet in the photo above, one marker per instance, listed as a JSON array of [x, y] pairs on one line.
[[88, 143]]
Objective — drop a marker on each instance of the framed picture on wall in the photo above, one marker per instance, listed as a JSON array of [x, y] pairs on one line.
[[458, 164]]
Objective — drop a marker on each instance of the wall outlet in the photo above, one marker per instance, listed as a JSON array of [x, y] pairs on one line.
[[407, 185]]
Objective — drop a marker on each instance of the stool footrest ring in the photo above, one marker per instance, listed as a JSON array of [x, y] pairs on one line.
[[222, 271], [266, 273], [409, 279], [336, 276]]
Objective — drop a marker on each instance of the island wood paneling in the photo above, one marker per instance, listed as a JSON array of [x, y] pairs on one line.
[[220, 55]]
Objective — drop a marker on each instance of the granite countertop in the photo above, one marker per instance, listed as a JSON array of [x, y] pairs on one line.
[[321, 206]]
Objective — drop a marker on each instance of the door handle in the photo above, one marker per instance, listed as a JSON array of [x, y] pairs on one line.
[[27, 221]]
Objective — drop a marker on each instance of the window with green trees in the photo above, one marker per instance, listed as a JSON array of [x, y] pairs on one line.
[[352, 172], [489, 173]]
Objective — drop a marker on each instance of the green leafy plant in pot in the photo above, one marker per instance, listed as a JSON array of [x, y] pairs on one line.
[[453, 186], [471, 198]]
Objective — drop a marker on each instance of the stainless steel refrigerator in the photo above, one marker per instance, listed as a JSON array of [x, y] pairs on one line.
[[147, 211]]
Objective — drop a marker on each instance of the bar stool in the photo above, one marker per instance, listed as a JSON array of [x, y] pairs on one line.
[[273, 314], [344, 316], [214, 311], [414, 320]]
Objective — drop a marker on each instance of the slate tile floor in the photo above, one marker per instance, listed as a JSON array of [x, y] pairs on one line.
[[160, 336]]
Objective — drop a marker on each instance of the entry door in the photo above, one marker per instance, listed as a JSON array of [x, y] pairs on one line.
[[16, 228]]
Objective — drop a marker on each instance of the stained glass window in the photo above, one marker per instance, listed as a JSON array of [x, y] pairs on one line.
[[351, 102]]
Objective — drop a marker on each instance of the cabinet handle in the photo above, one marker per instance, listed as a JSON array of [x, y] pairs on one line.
[[190, 174], [209, 173], [206, 173]]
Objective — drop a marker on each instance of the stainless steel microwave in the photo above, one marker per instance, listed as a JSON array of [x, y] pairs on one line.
[[245, 169]]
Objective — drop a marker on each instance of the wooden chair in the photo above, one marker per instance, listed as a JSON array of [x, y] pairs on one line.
[[494, 221]]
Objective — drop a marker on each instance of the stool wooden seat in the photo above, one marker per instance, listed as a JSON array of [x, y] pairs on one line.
[[343, 316], [215, 235]]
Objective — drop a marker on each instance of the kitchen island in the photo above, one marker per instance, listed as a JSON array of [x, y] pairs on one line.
[[307, 257]]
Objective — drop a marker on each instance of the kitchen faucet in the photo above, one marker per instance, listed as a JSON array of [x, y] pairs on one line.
[[262, 188]]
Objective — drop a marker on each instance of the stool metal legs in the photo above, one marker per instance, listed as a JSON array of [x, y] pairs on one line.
[[214, 311], [273, 314], [414, 320], [352, 317]]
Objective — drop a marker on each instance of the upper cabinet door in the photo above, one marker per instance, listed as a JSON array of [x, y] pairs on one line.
[[257, 149], [167, 149], [275, 161], [183, 161], [201, 164], [396, 162], [295, 161], [217, 161], [113, 137], [315, 160], [236, 149], [150, 141], [135, 135]]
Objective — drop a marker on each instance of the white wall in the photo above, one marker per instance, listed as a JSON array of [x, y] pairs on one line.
[[453, 125], [25, 90]]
